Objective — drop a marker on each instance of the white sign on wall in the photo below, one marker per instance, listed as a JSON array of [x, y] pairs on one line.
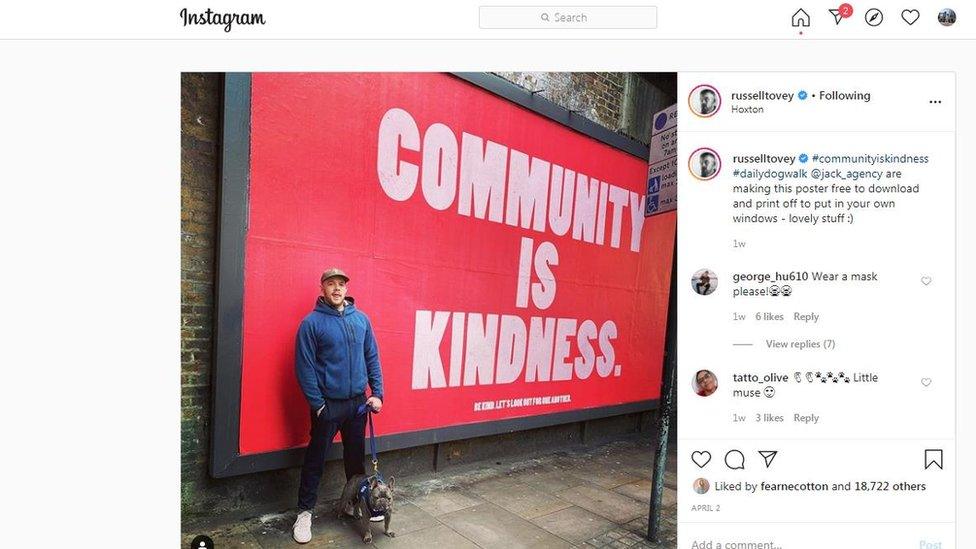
[[662, 168]]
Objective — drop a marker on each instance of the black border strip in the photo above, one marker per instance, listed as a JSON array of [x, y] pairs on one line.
[[229, 306], [225, 457], [292, 457], [540, 105]]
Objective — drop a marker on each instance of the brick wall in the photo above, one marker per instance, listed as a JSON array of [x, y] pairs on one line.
[[204, 499], [199, 168], [595, 95], [621, 102], [200, 117]]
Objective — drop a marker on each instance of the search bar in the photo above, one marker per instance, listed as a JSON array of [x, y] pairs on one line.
[[568, 17]]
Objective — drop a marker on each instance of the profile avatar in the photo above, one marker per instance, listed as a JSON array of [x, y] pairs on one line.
[[704, 101], [708, 101], [704, 164], [947, 17], [704, 282], [705, 383]]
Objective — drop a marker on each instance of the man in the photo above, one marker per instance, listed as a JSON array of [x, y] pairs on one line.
[[335, 357], [708, 163], [708, 101]]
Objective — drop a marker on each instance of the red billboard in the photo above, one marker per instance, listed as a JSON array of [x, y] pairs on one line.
[[503, 258]]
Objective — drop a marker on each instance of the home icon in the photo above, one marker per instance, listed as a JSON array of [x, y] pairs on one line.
[[801, 18]]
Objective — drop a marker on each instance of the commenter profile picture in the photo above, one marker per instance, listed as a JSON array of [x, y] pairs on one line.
[[705, 383], [704, 163], [704, 100], [704, 281]]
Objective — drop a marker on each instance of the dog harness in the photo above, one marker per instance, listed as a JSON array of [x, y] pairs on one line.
[[366, 495]]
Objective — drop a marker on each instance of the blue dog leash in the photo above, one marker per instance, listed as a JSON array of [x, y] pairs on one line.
[[364, 485], [368, 411]]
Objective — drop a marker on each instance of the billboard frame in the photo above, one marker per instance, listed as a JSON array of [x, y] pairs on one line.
[[225, 457]]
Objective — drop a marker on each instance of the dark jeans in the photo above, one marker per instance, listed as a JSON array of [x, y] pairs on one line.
[[338, 415]]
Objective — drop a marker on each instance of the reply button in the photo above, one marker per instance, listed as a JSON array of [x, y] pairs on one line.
[[568, 17]]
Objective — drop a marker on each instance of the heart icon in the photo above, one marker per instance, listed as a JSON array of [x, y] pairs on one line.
[[701, 459], [926, 280], [909, 16], [926, 381]]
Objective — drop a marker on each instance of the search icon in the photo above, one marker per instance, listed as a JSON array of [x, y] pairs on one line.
[[544, 17]]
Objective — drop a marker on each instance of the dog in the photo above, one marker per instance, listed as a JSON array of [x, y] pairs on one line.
[[380, 502]]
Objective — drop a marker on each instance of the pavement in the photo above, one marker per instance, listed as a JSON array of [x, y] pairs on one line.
[[590, 497]]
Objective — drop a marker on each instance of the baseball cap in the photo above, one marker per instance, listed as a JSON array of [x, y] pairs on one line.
[[334, 271]]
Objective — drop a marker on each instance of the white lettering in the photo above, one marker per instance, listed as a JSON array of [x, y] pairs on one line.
[[636, 220], [397, 129], [584, 212], [524, 275], [544, 291], [527, 188], [439, 176], [511, 349], [479, 364], [482, 178], [618, 197], [562, 370], [428, 370], [584, 364], [561, 200], [605, 364], [457, 348], [601, 214], [539, 359]]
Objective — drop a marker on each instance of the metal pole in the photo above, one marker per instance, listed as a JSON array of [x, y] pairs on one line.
[[666, 409]]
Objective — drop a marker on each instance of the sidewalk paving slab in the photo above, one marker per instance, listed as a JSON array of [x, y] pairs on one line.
[[408, 518], [641, 491], [327, 531], [619, 539], [237, 536], [548, 480], [487, 486], [574, 524], [445, 501], [598, 474], [492, 527], [435, 536], [610, 505], [523, 500]]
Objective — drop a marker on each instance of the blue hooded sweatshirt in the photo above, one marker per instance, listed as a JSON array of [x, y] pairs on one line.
[[335, 354]]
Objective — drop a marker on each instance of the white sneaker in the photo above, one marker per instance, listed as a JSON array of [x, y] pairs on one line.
[[302, 531], [378, 518]]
